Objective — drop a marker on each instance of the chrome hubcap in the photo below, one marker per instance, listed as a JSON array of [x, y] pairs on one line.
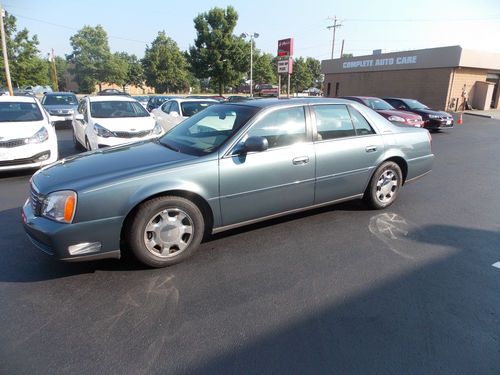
[[387, 185], [168, 233]]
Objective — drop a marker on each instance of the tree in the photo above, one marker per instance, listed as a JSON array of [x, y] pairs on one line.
[[314, 67], [61, 69], [218, 54], [165, 66], [134, 74], [263, 68], [26, 66], [92, 58], [301, 78]]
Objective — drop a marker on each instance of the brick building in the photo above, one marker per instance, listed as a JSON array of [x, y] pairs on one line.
[[435, 76]]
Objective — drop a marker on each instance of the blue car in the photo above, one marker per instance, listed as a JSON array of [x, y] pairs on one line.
[[227, 166]]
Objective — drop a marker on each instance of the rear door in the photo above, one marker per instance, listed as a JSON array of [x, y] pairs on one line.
[[347, 150], [259, 184]]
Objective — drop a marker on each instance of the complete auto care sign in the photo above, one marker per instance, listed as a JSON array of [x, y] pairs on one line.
[[285, 55]]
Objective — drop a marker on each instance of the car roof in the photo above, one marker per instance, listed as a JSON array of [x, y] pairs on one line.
[[183, 100], [362, 97], [111, 98], [59, 93], [275, 102], [18, 99]]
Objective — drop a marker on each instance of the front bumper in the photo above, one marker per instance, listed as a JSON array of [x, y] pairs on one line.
[[438, 123], [55, 238], [41, 158]]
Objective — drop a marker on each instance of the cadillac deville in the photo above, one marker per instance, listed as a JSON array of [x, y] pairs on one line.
[[227, 166]]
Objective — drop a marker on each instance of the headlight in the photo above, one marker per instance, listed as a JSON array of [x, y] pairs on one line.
[[434, 116], [397, 119], [60, 206], [40, 136], [101, 131], [157, 130]]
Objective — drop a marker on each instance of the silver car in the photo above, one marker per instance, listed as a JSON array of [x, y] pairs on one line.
[[60, 105], [227, 166]]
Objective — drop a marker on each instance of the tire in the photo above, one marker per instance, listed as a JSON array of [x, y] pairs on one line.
[[165, 231], [384, 186]]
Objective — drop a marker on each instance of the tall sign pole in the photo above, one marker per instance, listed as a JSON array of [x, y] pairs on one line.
[[285, 61], [4, 49]]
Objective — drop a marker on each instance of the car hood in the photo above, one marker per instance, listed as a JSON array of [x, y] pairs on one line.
[[16, 130], [126, 124], [104, 166], [426, 112], [393, 112]]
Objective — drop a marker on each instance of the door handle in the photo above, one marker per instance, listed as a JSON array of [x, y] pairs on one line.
[[301, 160], [371, 148]]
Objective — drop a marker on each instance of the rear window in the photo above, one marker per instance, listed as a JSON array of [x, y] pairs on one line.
[[18, 112], [60, 100], [191, 108]]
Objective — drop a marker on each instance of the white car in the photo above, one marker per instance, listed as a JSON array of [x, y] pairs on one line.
[[173, 111], [27, 137], [103, 121]]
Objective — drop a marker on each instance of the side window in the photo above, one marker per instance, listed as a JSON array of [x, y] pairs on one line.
[[175, 108], [333, 121], [397, 104], [165, 107], [360, 124], [282, 127]]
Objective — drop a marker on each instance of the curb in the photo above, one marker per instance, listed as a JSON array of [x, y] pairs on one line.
[[478, 115]]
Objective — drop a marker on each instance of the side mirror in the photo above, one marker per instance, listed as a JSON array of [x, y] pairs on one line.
[[255, 144], [79, 117]]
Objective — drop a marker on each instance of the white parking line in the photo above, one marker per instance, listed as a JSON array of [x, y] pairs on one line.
[[496, 265]]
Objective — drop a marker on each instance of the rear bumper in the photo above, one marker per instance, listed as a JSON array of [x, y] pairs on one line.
[[55, 238]]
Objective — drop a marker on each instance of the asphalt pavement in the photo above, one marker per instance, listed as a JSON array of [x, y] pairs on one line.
[[413, 289]]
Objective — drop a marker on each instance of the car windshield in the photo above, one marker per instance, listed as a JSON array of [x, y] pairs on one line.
[[116, 109], [378, 104], [191, 108], [207, 130], [17, 112], [415, 104], [60, 100]]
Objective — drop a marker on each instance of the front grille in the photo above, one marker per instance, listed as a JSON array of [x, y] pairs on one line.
[[30, 160], [133, 134], [36, 201], [56, 112], [13, 143]]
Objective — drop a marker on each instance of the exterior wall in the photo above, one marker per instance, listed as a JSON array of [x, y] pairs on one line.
[[430, 86], [461, 77], [130, 89]]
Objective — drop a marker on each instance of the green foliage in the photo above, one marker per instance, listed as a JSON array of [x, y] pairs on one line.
[[217, 54], [301, 78], [26, 66], [264, 70], [165, 66], [92, 58], [314, 67]]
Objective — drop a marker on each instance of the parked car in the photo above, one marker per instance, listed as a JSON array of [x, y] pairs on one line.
[[388, 111], [103, 121], [266, 90], [36, 90], [157, 100], [27, 137], [60, 104], [433, 120], [173, 111], [143, 99], [112, 92], [238, 98], [216, 171]]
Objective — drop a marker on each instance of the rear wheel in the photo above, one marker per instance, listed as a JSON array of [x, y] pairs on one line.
[[384, 185], [165, 231]]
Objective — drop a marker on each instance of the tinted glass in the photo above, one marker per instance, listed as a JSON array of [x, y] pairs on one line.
[[415, 104], [116, 109], [377, 104], [165, 107], [333, 121], [360, 124], [282, 127], [207, 130], [191, 108], [60, 100], [18, 112]]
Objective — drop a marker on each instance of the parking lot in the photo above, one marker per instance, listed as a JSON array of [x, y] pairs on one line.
[[408, 290]]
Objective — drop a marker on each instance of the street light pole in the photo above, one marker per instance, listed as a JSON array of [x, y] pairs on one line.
[[252, 37]]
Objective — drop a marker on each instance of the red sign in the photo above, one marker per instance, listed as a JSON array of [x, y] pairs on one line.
[[285, 48]]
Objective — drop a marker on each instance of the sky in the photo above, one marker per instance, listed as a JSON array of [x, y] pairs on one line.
[[366, 25]]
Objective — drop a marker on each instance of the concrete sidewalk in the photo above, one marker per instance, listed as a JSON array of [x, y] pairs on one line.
[[490, 113]]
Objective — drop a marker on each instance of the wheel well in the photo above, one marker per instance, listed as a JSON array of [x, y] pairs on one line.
[[402, 164], [195, 198]]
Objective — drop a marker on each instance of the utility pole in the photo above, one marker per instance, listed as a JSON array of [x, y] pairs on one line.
[[334, 28], [4, 49], [53, 66]]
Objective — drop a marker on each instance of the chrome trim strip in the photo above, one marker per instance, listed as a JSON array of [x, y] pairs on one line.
[[335, 175], [284, 213], [267, 189]]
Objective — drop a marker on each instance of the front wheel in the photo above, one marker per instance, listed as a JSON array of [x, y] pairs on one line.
[[165, 231], [384, 185]]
